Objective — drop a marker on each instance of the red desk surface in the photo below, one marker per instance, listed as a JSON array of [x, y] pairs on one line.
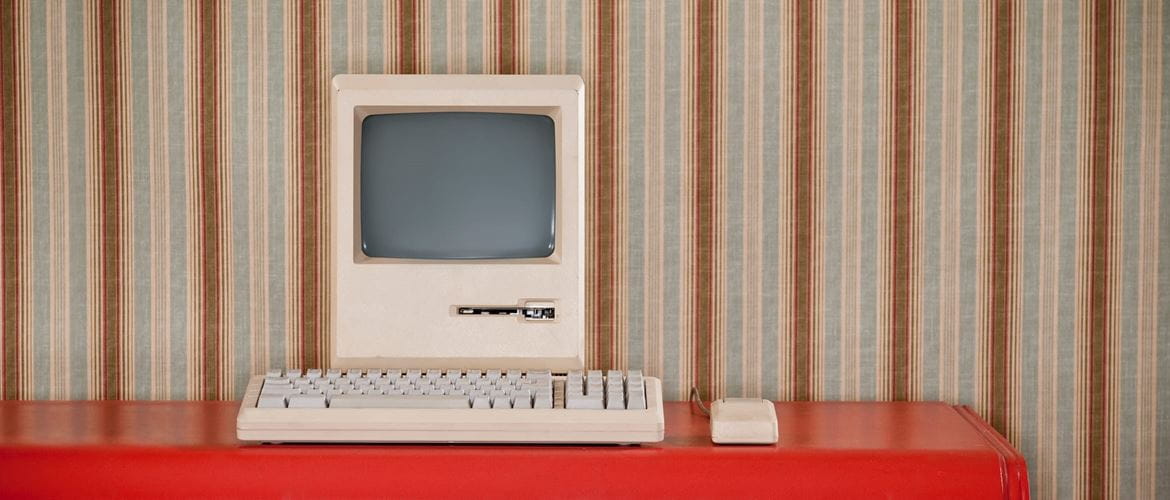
[[98, 448]]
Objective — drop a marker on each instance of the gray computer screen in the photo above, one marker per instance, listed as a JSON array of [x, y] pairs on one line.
[[458, 185]]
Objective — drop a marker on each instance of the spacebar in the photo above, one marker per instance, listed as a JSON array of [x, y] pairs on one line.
[[361, 401]]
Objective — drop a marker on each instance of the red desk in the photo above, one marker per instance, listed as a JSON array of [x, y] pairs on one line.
[[826, 450]]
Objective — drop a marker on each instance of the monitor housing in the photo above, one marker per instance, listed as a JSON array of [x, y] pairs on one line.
[[464, 313]]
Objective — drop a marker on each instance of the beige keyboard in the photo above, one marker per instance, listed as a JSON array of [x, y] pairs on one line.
[[413, 405]]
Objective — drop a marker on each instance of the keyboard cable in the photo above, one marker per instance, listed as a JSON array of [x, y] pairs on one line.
[[698, 400]]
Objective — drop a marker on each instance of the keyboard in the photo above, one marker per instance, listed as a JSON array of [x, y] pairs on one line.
[[450, 406]]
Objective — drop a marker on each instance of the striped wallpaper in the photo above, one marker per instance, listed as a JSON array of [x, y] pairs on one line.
[[926, 199]]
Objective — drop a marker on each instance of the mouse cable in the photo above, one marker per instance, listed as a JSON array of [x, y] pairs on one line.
[[697, 399]]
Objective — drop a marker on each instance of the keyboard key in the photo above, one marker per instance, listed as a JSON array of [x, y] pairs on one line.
[[522, 404], [587, 402], [333, 374], [615, 403], [501, 403], [292, 372], [481, 403], [412, 401], [493, 375], [637, 400], [306, 401], [271, 401], [275, 373], [374, 373], [542, 402], [313, 374], [282, 390]]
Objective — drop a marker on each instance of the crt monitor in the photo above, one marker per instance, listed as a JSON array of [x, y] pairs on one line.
[[457, 222]]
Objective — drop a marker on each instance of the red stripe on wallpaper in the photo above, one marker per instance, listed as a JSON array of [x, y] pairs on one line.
[[603, 186], [902, 178], [703, 175], [1001, 243], [805, 35], [309, 170], [506, 37], [408, 46], [211, 332], [109, 198], [10, 183], [1100, 280]]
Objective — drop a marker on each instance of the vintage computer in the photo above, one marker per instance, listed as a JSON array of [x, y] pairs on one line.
[[457, 296]]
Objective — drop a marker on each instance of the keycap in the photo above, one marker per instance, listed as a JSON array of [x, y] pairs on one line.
[[306, 401], [493, 375], [292, 372], [280, 389], [543, 402], [413, 374], [374, 373], [353, 373], [615, 403], [501, 402], [333, 374], [587, 402], [275, 372], [481, 402], [637, 400], [313, 374], [271, 401], [411, 401]]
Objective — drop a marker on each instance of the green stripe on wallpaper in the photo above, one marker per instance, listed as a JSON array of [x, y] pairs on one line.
[[956, 200]]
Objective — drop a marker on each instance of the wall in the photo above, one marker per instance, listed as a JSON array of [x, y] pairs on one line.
[[852, 200]]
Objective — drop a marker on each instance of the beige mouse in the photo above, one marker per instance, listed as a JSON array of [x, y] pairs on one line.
[[743, 421]]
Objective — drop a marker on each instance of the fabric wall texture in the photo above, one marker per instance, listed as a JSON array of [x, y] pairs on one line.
[[917, 200]]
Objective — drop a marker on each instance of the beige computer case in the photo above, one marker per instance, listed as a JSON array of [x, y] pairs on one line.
[[401, 312]]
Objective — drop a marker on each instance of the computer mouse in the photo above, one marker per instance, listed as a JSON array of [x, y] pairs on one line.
[[743, 421]]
